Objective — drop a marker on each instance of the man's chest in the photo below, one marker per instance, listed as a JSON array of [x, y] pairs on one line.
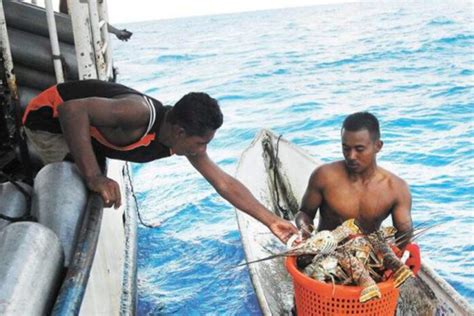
[[121, 137], [350, 201]]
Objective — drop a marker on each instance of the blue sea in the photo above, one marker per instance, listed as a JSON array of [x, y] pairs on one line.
[[299, 72]]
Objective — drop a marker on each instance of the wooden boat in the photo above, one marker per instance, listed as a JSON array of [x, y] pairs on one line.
[[277, 173]]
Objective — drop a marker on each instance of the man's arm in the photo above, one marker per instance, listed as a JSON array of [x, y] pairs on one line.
[[122, 35], [239, 196], [401, 214], [76, 118], [312, 199]]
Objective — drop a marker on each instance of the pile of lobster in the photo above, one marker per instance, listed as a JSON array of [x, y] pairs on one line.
[[346, 256]]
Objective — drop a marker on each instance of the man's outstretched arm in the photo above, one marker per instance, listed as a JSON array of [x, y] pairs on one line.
[[122, 35], [76, 118], [239, 196]]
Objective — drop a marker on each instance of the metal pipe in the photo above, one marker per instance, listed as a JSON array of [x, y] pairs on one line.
[[82, 39], [74, 286], [104, 17], [104, 48], [53, 37], [29, 18], [40, 57], [63, 211], [31, 260], [97, 40], [32, 78]]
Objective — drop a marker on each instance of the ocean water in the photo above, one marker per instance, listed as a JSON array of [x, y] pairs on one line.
[[299, 72]]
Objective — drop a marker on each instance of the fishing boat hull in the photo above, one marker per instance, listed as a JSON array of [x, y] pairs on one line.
[[277, 172], [111, 289], [99, 274]]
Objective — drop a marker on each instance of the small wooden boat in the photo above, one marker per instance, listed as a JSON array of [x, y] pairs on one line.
[[277, 173]]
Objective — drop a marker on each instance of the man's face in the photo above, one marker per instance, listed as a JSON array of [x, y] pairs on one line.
[[359, 150], [192, 145]]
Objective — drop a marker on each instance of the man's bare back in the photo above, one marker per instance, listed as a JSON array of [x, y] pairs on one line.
[[356, 187]]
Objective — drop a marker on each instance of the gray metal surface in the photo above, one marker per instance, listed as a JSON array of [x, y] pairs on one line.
[[80, 17], [97, 41], [13, 203], [34, 51], [31, 261], [59, 202], [428, 294], [32, 19], [104, 16], [32, 78]]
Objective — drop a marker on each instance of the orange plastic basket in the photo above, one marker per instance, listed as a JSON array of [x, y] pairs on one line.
[[317, 298]]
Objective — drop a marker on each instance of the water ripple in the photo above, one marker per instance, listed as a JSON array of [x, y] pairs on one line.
[[300, 72]]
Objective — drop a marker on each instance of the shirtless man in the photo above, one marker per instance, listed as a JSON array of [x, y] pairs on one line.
[[93, 118], [356, 187]]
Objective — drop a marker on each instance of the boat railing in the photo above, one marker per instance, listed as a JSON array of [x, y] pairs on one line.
[[53, 37], [89, 23], [89, 26]]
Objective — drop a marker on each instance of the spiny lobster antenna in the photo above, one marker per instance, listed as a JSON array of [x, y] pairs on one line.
[[416, 232]]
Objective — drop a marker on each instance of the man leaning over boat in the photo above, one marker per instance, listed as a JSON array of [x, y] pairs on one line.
[[357, 187], [84, 120]]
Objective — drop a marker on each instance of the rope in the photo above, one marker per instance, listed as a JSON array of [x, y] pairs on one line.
[[136, 203], [26, 216], [275, 175]]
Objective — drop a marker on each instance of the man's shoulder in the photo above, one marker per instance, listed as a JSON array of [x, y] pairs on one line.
[[329, 170], [331, 167], [394, 180]]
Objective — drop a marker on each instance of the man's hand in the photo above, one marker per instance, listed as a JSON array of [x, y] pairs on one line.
[[305, 224], [283, 229], [123, 35], [108, 189]]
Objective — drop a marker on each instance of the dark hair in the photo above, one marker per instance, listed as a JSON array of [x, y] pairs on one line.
[[362, 120], [197, 113]]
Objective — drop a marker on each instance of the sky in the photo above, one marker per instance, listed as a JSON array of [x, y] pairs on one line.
[[125, 11], [122, 11]]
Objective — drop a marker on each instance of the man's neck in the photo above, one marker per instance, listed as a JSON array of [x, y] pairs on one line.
[[365, 176], [165, 132]]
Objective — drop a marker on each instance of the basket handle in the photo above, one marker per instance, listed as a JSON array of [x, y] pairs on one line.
[[414, 257]]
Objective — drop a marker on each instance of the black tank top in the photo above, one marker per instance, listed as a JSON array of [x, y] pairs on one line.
[[146, 149]]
